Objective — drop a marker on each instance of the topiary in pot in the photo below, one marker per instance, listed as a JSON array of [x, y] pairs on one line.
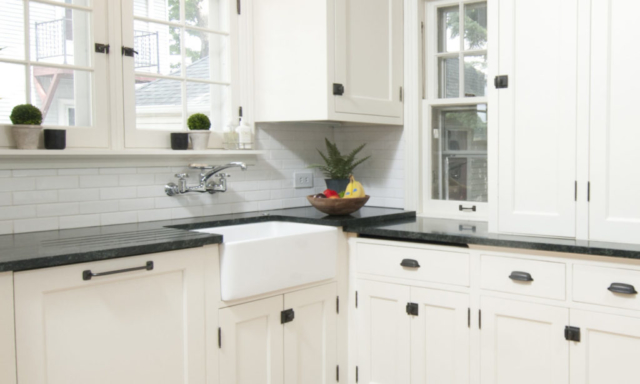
[[26, 129], [199, 125], [338, 167]]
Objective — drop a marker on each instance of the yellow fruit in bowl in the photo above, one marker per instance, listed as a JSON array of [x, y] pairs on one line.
[[354, 189]]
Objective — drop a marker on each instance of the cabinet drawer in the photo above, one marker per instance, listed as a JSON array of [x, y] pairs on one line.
[[523, 277], [436, 266], [593, 285]]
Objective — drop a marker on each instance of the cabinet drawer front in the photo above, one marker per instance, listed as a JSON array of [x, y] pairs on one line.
[[595, 285], [523, 277], [436, 266]]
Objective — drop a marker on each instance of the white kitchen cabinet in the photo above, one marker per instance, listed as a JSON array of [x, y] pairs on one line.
[[614, 205], [608, 351], [251, 343], [536, 115], [302, 48], [7, 332], [384, 330], [440, 349], [137, 326], [523, 342], [257, 347], [310, 351]]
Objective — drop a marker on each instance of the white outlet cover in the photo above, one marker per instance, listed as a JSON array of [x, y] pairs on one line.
[[303, 180]]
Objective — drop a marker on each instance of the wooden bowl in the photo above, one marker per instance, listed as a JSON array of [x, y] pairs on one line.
[[338, 207]]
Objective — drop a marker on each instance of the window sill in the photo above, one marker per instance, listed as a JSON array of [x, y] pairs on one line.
[[70, 158]]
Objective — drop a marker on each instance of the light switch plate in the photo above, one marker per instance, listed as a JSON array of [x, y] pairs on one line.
[[303, 180]]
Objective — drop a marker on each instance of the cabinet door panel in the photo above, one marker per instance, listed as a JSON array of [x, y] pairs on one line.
[[615, 187], [134, 327], [383, 333], [537, 118], [252, 343], [609, 349], [440, 337], [7, 332], [310, 339], [369, 56], [523, 343]]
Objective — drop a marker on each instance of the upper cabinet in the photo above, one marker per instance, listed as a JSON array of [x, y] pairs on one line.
[[615, 187], [326, 60], [536, 119]]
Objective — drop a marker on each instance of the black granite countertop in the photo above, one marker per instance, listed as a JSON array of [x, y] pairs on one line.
[[463, 233], [53, 248]]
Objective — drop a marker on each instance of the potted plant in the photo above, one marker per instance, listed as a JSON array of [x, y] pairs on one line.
[[199, 125], [26, 129], [338, 167]]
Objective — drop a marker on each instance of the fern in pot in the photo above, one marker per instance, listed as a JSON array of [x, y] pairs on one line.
[[338, 167], [27, 121]]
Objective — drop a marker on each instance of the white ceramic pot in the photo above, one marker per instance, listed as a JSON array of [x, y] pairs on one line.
[[199, 140], [26, 136]]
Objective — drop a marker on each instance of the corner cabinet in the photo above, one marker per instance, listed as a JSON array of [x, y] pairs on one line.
[[289, 338], [139, 326], [326, 60]]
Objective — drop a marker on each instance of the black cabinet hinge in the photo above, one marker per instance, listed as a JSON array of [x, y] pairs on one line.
[[219, 337], [338, 304], [575, 196], [130, 52], [501, 81], [102, 48], [572, 333], [240, 112], [479, 318], [356, 373], [287, 316], [468, 317], [356, 299], [239, 6], [412, 309], [589, 192], [338, 89], [337, 373], [401, 95]]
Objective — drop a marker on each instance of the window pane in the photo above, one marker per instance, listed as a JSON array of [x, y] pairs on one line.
[[83, 3], [165, 10], [449, 29], [207, 56], [12, 30], [475, 26], [159, 104], [211, 14], [449, 74], [13, 90], [59, 35], [55, 90], [475, 75], [158, 48], [459, 154], [210, 99]]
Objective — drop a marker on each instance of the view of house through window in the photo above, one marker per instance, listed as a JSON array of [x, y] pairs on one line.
[[459, 131]]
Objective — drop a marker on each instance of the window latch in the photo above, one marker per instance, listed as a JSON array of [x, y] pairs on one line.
[[126, 51], [102, 48]]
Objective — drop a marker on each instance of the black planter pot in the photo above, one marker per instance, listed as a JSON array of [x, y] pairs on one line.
[[338, 185], [179, 141], [55, 138]]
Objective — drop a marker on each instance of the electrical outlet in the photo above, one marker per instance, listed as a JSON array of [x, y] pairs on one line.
[[303, 180]]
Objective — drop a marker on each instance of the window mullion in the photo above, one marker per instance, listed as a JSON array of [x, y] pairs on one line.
[[27, 51], [461, 53]]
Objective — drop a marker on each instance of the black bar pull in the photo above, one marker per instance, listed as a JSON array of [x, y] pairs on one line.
[[410, 263], [626, 289], [520, 276], [287, 316], [472, 208], [463, 227], [338, 89], [219, 337], [126, 51], [87, 275]]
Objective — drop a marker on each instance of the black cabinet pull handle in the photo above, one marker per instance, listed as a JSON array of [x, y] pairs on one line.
[[520, 276], [626, 289], [410, 263], [472, 208], [463, 227], [87, 275]]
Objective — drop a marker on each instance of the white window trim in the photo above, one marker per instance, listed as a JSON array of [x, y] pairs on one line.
[[427, 206]]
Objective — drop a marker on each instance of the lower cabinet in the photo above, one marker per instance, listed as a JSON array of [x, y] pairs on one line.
[[286, 339], [608, 351], [412, 335], [130, 320], [523, 342], [7, 332]]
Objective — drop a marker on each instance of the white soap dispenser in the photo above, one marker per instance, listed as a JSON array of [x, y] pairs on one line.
[[245, 135]]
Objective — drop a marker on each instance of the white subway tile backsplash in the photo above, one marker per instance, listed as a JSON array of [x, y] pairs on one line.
[[44, 199]]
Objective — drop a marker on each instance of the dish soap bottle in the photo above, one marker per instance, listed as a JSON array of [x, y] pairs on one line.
[[245, 136]]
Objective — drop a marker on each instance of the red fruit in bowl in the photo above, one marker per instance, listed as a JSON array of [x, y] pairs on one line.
[[331, 193]]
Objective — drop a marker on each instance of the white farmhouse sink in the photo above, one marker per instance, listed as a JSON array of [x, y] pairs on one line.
[[265, 257]]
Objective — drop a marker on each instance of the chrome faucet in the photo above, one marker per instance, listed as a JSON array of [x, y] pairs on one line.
[[206, 173]]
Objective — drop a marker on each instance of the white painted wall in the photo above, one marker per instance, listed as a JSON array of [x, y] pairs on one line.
[[49, 199]]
